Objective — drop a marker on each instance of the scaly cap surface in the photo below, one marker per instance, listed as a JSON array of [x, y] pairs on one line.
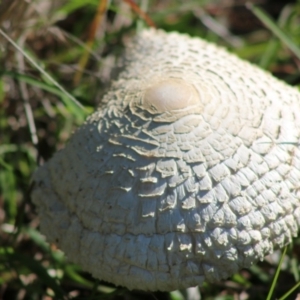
[[182, 175]]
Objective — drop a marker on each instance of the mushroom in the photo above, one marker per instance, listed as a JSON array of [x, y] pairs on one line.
[[187, 172]]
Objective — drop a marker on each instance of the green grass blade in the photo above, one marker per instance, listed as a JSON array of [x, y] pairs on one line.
[[71, 272], [18, 261], [271, 25], [290, 291], [275, 279], [5, 165], [176, 295], [9, 193], [268, 56], [33, 81], [41, 70], [74, 5], [74, 109]]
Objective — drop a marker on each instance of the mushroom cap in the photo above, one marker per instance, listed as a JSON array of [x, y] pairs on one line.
[[184, 173]]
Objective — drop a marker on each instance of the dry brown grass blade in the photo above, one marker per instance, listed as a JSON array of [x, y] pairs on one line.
[[12, 14], [5, 7], [140, 12], [91, 39], [26, 101]]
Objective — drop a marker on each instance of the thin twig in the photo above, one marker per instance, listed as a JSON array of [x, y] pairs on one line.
[[140, 12]]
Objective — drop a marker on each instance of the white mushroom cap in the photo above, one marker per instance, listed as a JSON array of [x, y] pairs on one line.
[[182, 175]]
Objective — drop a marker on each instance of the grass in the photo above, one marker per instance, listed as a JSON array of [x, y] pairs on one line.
[[39, 56]]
